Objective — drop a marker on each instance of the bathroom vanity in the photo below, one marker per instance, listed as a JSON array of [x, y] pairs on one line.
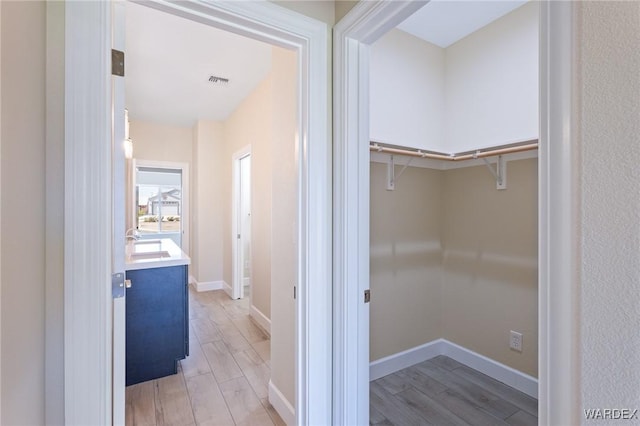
[[157, 309]]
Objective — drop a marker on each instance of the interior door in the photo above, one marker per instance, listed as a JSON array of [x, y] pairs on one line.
[[245, 224], [241, 214], [118, 241]]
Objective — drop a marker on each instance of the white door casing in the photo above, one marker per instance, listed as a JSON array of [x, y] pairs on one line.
[[88, 203], [558, 218], [119, 213], [364, 24]]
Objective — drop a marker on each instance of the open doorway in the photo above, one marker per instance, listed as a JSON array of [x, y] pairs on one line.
[[223, 90], [89, 141], [242, 224], [353, 38]]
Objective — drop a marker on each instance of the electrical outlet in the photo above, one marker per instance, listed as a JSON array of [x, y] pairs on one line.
[[515, 341]]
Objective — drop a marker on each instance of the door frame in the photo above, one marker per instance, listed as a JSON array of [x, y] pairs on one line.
[[185, 224], [237, 286], [558, 210], [87, 231]]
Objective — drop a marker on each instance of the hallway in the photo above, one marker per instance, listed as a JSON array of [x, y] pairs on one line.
[[223, 381]]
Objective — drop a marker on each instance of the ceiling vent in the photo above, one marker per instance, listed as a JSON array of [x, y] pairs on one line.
[[218, 81]]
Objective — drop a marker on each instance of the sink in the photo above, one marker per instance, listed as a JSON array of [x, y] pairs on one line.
[[140, 242], [150, 254]]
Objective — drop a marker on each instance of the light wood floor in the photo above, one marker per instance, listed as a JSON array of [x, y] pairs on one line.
[[441, 391], [223, 381]]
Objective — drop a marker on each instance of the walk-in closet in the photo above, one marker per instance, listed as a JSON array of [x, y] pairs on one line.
[[454, 129]]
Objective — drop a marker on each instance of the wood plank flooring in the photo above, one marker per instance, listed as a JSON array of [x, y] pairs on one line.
[[223, 381], [441, 391]]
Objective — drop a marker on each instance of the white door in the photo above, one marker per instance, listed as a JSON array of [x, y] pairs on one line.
[[241, 224], [245, 225], [118, 242]]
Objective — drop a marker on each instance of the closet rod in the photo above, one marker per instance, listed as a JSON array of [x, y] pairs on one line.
[[454, 157]]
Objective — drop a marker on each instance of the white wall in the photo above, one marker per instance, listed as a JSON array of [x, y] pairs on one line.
[[284, 224], [251, 124], [407, 92], [23, 213], [207, 230], [161, 142], [609, 108], [492, 83], [481, 91]]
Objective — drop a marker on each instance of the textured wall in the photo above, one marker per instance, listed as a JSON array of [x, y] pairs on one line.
[[23, 213], [610, 124]]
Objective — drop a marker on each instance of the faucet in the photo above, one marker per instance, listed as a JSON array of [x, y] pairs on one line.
[[132, 234]]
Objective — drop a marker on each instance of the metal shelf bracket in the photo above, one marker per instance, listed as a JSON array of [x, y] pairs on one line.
[[500, 172]]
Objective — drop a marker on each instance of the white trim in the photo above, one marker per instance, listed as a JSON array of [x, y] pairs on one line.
[[185, 217], [227, 289], [366, 22], [281, 405], [396, 362], [502, 373], [260, 319], [494, 369], [87, 190], [237, 261], [47, 158], [559, 219], [87, 219], [192, 279], [208, 285]]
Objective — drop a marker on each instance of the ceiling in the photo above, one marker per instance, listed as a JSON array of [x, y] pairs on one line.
[[169, 61], [444, 22]]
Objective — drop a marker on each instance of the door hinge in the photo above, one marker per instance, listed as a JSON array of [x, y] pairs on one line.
[[117, 285], [294, 292], [367, 296], [117, 62], [238, 236]]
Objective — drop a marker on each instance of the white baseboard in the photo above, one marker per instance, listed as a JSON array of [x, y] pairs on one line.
[[227, 289], [260, 319], [503, 373], [208, 285], [404, 359], [281, 405]]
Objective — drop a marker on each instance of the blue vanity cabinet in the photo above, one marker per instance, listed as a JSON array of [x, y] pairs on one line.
[[157, 322]]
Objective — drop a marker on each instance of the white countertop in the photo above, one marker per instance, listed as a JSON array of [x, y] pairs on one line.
[[157, 253]]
